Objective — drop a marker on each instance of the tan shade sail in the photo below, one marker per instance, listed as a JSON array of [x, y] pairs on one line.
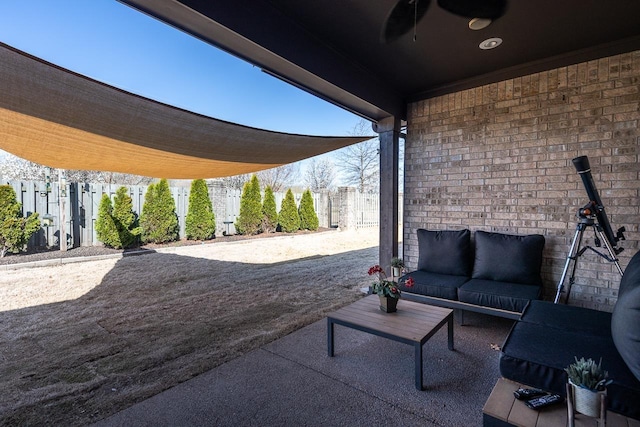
[[58, 118]]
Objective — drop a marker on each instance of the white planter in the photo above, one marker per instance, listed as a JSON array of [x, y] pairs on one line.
[[397, 271], [587, 402]]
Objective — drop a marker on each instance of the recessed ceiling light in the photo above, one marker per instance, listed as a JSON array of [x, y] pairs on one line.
[[479, 23], [491, 43]]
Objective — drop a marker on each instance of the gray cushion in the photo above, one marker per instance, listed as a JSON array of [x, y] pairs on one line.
[[502, 295], [546, 313], [508, 258], [625, 319], [433, 284], [445, 252]]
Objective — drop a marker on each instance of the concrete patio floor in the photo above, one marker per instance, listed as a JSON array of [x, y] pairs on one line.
[[370, 381]]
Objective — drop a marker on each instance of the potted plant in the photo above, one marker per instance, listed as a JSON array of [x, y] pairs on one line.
[[386, 289], [588, 383], [397, 264]]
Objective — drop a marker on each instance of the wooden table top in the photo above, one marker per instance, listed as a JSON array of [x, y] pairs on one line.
[[413, 320]]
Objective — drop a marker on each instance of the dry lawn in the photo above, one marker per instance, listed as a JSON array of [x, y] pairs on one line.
[[81, 341]]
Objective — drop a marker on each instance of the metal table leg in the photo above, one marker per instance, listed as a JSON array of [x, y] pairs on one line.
[[450, 331], [330, 337], [418, 367]]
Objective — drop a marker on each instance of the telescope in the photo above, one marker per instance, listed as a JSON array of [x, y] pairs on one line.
[[584, 170], [591, 215]]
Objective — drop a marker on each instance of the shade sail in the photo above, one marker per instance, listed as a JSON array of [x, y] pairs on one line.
[[55, 117]]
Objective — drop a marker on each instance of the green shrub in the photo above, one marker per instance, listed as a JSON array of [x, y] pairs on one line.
[[200, 223], [269, 212], [250, 218], [106, 229], [288, 218], [117, 224], [15, 231], [159, 221], [126, 219], [308, 216]]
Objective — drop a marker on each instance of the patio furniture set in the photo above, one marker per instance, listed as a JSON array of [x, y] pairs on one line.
[[499, 274]]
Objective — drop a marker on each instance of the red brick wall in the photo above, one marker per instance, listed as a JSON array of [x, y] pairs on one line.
[[498, 158]]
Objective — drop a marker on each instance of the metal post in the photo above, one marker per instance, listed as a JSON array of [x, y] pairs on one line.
[[577, 239]]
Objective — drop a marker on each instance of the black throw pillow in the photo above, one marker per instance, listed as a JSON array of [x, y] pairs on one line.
[[508, 258], [445, 252]]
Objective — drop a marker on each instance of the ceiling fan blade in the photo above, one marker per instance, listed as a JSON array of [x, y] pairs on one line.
[[488, 9], [402, 18]]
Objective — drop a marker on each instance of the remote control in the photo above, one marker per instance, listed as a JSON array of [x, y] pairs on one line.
[[543, 401], [528, 393]]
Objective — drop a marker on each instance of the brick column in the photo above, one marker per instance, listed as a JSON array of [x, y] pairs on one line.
[[347, 208]]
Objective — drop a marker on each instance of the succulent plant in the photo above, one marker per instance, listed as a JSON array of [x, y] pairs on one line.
[[397, 262], [588, 374]]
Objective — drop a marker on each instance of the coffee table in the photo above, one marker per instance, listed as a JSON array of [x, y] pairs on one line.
[[414, 323]]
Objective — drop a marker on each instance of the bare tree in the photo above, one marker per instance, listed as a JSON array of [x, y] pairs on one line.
[[278, 178], [281, 177], [235, 181], [359, 163], [16, 168], [320, 174]]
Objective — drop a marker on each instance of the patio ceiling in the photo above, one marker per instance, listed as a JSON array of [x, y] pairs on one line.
[[61, 119], [334, 49]]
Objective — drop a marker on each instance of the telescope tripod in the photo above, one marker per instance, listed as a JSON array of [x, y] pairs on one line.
[[575, 252]]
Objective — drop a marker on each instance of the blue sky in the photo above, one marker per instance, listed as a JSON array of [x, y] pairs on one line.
[[110, 42]]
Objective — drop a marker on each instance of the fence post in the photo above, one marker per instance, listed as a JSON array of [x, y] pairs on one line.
[[347, 209], [62, 203]]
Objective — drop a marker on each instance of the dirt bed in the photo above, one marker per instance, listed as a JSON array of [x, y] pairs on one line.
[[82, 340]]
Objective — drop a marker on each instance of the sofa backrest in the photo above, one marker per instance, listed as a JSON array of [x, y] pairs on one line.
[[625, 319], [508, 258], [445, 252]]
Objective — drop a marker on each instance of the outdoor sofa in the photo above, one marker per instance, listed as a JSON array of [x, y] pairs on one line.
[[549, 336], [498, 274]]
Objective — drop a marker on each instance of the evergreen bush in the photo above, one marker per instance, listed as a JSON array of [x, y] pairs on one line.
[[288, 218], [250, 219], [106, 229], [126, 220], [15, 230], [159, 221], [200, 223], [269, 212], [116, 225], [308, 216]]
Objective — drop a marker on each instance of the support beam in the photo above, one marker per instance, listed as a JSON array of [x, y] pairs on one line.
[[389, 135]]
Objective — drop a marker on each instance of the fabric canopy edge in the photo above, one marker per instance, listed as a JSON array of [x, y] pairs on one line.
[[16, 107]]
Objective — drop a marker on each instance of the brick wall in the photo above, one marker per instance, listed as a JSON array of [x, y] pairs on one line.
[[498, 158]]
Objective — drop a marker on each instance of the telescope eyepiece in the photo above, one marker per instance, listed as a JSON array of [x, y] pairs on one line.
[[582, 164]]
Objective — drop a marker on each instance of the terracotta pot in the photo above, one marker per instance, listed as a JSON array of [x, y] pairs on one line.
[[388, 304]]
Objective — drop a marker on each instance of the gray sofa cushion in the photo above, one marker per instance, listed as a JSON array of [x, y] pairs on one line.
[[502, 295], [508, 258], [625, 320], [445, 252], [546, 313], [433, 284]]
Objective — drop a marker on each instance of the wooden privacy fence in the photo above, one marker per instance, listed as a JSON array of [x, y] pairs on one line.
[[345, 208]]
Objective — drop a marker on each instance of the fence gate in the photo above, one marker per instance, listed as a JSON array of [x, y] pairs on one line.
[[334, 210]]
